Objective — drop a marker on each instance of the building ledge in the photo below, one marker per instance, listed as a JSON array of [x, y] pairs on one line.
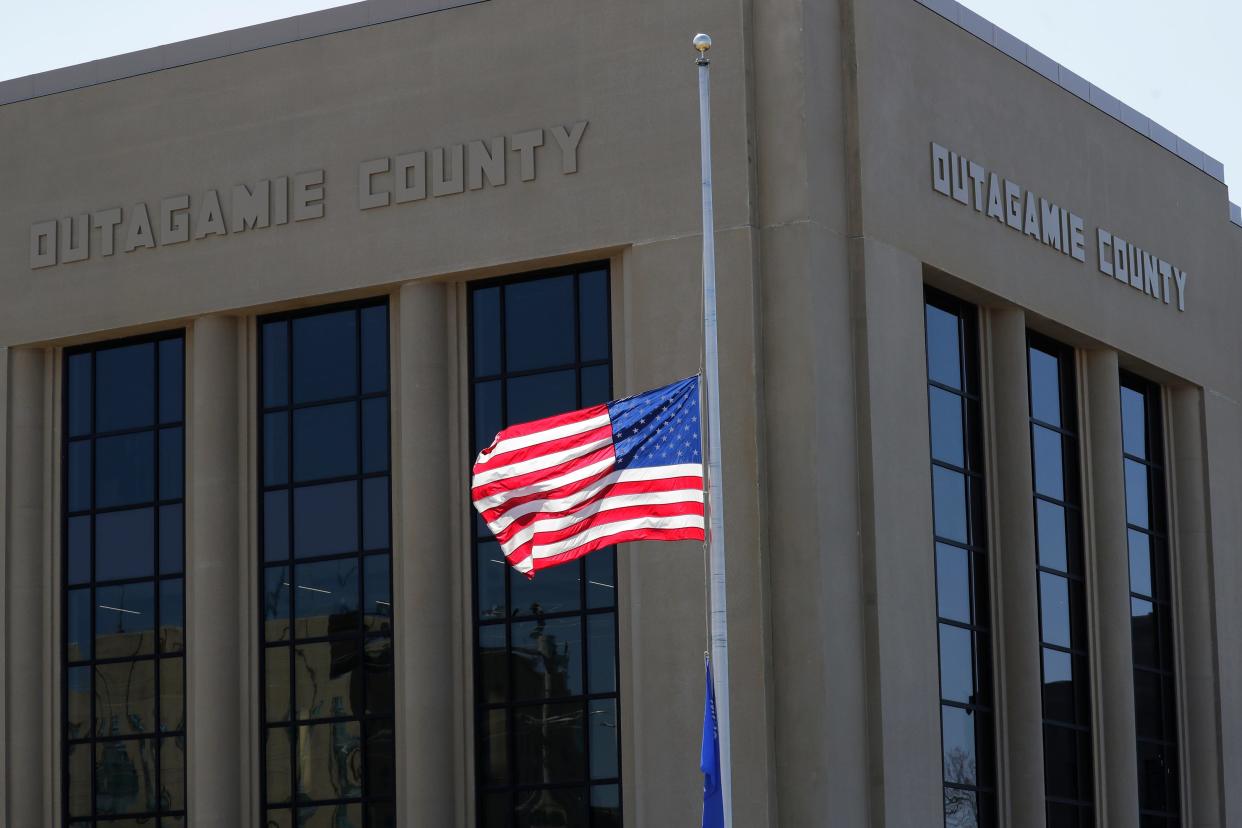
[[221, 44]]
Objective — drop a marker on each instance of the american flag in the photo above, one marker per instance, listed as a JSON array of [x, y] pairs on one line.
[[555, 489]]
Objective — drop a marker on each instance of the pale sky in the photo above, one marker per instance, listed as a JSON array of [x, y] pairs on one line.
[[1175, 61]]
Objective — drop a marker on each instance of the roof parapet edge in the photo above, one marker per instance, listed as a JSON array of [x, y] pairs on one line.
[[1035, 60]]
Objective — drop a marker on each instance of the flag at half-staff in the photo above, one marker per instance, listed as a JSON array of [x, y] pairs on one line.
[[555, 489]]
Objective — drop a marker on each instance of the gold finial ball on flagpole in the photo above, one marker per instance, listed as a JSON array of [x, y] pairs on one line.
[[702, 42]]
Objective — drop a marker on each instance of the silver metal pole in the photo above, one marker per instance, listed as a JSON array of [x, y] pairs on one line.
[[715, 479]]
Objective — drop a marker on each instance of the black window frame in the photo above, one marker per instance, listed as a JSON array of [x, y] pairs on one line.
[[1161, 598], [1074, 574], [156, 504], [984, 790], [361, 554], [479, 534]]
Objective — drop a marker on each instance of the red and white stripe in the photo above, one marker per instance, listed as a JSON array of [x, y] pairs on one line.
[[550, 492]]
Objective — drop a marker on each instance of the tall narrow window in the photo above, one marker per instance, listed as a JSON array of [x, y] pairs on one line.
[[123, 693], [966, 704], [326, 601], [1151, 622], [545, 665], [1068, 778]]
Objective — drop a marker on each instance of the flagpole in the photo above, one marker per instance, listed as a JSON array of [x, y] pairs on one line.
[[715, 493]]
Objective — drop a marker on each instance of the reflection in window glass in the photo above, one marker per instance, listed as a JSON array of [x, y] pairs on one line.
[[966, 703], [326, 603], [546, 703], [1068, 758], [1151, 602], [122, 539]]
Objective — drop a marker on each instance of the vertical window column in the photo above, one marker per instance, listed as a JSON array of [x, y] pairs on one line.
[[1068, 754], [1151, 609], [123, 693], [326, 601], [962, 583], [546, 663]]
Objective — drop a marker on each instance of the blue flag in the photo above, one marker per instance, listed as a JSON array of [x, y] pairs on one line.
[[709, 760]]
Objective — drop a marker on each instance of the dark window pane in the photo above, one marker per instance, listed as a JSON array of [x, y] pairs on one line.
[[957, 672], [276, 448], [1045, 387], [487, 415], [172, 474], [325, 597], [125, 470], [1054, 609], [946, 426], [1136, 494], [278, 753], [542, 395], [325, 356], [493, 747], [1140, 562], [326, 767], [78, 473], [172, 616], [79, 541], [276, 525], [125, 387], [276, 590], [172, 535], [375, 522], [1133, 422], [172, 368], [125, 775], [491, 570], [325, 441], [606, 806], [555, 590], [1157, 776], [125, 698], [377, 656], [377, 593], [81, 767], [125, 544], [78, 394], [535, 809], [374, 349], [549, 743], [944, 359], [1148, 705], [1050, 530], [78, 697], [380, 762], [539, 329], [1049, 471], [602, 653], [275, 360], [172, 776], [485, 327], [605, 739], [593, 318], [125, 620], [949, 504], [1144, 634], [328, 679], [325, 519], [78, 635], [953, 583], [493, 661], [375, 435], [1060, 762], [1059, 699], [596, 385], [601, 582], [277, 698], [547, 658], [958, 733]]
